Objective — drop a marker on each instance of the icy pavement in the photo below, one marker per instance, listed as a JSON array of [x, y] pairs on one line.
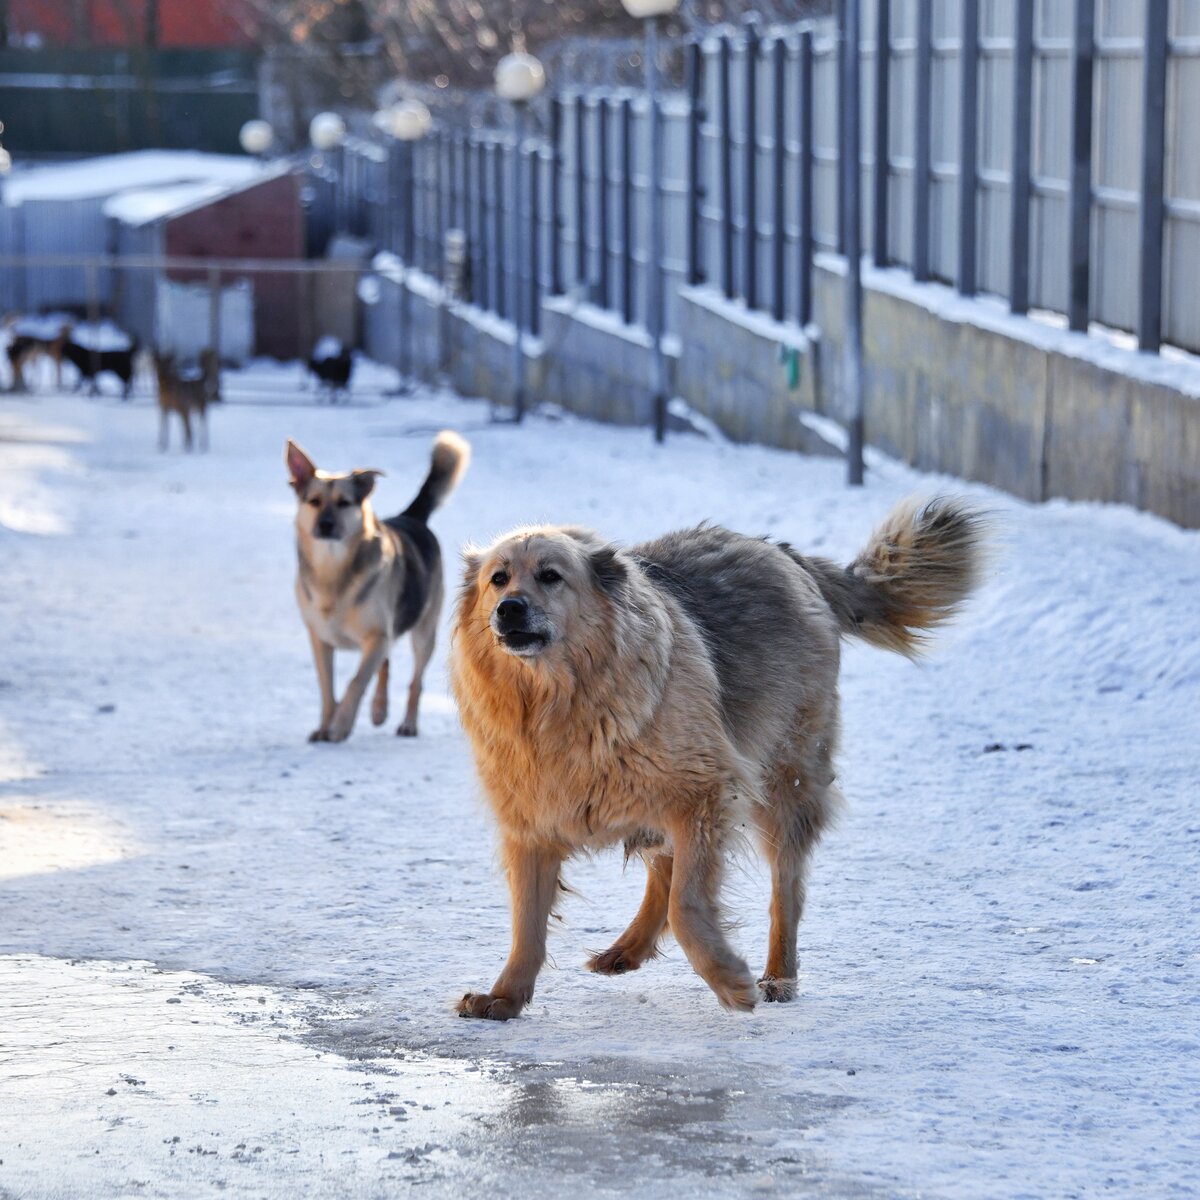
[[228, 959]]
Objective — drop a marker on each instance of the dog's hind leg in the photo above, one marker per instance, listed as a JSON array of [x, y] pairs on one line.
[[424, 638], [533, 881], [379, 705], [640, 941], [694, 908], [187, 429], [798, 808]]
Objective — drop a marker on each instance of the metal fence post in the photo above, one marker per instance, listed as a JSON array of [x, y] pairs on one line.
[[696, 114], [1080, 236], [627, 260], [603, 173], [852, 348], [498, 256], [1151, 211], [807, 238], [750, 169], [883, 66], [556, 222], [922, 137], [968, 143], [581, 240], [214, 310], [725, 53], [778, 178], [654, 259], [1022, 158]]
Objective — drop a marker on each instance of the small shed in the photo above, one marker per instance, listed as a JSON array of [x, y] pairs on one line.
[[260, 219]]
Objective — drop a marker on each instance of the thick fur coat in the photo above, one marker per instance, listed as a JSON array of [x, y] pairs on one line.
[[667, 696]]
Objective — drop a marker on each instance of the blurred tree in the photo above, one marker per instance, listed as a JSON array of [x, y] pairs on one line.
[[458, 42]]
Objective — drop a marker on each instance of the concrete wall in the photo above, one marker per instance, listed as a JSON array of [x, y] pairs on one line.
[[952, 386]]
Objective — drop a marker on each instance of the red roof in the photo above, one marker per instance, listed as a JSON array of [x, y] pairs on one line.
[[116, 23]]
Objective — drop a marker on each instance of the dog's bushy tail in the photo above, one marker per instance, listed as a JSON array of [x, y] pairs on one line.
[[451, 454], [917, 569]]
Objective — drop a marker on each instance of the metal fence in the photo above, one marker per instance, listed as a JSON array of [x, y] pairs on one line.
[[1037, 150]]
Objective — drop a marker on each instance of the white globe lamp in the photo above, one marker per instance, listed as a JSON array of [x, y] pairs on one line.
[[326, 130], [256, 136], [519, 78], [408, 121]]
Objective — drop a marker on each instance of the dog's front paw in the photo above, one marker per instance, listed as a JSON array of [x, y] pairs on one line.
[[319, 735], [738, 994], [616, 960], [406, 729], [777, 991], [488, 1007]]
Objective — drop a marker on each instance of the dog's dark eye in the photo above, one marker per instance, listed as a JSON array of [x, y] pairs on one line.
[[315, 502], [549, 576], [500, 579], [342, 502]]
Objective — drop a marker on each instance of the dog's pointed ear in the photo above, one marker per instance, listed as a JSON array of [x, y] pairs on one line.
[[364, 482], [300, 467], [472, 560], [608, 569]]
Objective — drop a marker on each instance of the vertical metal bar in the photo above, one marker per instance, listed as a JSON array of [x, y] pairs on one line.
[[1151, 213], [408, 251], [923, 137], [603, 189], [839, 8], [214, 310], [518, 259], [498, 229], [968, 147], [695, 198], [556, 222], [1080, 236], [92, 281], [807, 239], [778, 177], [883, 72], [1022, 158], [654, 259], [852, 349], [725, 52], [750, 169], [627, 267], [533, 320], [581, 247]]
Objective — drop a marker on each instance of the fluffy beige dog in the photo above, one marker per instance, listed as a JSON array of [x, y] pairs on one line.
[[666, 695]]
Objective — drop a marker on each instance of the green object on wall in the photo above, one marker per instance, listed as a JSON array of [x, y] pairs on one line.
[[789, 357]]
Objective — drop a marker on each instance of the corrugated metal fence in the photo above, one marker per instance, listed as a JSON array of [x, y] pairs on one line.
[[1075, 119]]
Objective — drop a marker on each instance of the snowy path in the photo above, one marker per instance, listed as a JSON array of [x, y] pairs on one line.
[[228, 959]]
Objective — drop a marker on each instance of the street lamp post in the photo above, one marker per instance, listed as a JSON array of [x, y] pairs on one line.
[[650, 11], [408, 122], [325, 133], [519, 78]]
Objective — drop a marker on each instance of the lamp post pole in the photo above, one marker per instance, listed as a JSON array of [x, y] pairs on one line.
[[519, 78], [408, 122], [649, 11]]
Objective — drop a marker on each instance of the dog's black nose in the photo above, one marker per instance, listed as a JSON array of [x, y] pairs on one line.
[[511, 612], [326, 525]]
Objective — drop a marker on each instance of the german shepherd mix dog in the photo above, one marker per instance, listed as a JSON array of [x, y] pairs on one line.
[[186, 394], [668, 695], [363, 582]]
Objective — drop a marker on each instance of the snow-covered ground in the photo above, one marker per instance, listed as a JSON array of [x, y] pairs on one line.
[[228, 959]]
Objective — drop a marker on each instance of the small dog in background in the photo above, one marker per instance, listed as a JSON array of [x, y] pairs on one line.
[[332, 363], [362, 582], [185, 392], [91, 363], [666, 696], [31, 339]]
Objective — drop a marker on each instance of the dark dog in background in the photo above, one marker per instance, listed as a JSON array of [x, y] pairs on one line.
[[668, 696], [363, 582], [332, 362], [91, 363], [186, 392]]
